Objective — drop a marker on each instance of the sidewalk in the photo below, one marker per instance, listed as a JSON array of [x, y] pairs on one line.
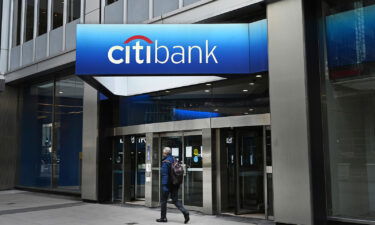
[[28, 208]]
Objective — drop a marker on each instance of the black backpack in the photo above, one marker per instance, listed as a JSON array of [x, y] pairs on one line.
[[176, 173]]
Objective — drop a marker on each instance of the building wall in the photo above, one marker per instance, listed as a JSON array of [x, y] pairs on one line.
[[8, 137]]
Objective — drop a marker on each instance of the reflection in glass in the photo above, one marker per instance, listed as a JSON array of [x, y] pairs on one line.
[[350, 99], [138, 166], [231, 97], [57, 13], [74, 9], [117, 168], [42, 22], [17, 7], [108, 2], [175, 143], [68, 132], [29, 32], [36, 138], [193, 181]]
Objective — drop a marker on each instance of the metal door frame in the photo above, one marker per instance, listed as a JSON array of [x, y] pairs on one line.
[[122, 164], [182, 135], [205, 126], [238, 133]]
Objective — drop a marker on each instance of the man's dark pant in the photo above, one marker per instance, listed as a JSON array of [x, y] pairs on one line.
[[173, 191]]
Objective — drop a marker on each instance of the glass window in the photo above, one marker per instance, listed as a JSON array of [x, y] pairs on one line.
[[231, 97], [51, 138], [110, 1], [42, 22], [74, 10], [36, 139], [29, 32], [57, 16], [17, 22], [68, 132], [350, 104]]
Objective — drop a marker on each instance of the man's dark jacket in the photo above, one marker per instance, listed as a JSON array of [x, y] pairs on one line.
[[165, 172]]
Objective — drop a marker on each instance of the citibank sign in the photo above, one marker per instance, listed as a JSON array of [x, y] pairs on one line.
[[171, 49], [177, 54]]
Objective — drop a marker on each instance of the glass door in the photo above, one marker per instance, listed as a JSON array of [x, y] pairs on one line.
[[173, 141], [186, 147], [193, 181], [250, 171], [140, 168], [137, 167], [117, 169]]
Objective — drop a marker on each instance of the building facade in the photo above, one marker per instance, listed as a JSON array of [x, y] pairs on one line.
[[292, 141]]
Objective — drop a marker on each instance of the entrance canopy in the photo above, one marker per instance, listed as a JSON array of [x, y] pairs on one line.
[[136, 59]]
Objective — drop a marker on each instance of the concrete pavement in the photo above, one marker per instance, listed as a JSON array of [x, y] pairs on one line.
[[29, 208]]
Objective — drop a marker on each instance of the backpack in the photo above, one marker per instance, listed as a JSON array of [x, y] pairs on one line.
[[176, 173]]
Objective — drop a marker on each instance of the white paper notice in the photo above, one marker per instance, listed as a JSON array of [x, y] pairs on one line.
[[175, 152], [189, 151]]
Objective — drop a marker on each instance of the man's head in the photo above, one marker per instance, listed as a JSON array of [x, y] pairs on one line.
[[166, 151]]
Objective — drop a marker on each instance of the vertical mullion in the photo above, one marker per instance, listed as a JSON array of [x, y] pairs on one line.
[[180, 4], [125, 13], [11, 33], [49, 24], [35, 31], [65, 20], [102, 10], [22, 31], [82, 17], [150, 9]]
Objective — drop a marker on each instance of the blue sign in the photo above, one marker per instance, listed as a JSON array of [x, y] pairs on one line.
[[167, 49]]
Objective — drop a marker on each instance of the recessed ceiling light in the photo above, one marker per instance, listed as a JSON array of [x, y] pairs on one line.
[[246, 113], [207, 91], [245, 90], [252, 83], [251, 110], [216, 110], [208, 84], [61, 92], [167, 91], [258, 76]]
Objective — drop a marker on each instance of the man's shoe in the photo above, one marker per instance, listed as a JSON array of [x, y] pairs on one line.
[[187, 218], [161, 220]]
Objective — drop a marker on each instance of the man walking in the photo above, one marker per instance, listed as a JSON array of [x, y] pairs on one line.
[[168, 188]]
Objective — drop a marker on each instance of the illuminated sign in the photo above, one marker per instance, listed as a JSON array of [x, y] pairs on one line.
[[145, 49]]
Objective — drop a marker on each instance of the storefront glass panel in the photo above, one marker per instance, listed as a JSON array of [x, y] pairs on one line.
[[36, 137], [51, 135], [68, 132], [349, 100]]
